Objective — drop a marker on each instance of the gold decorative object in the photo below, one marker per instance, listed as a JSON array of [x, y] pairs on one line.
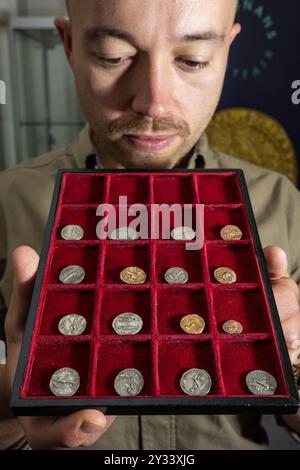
[[253, 136]]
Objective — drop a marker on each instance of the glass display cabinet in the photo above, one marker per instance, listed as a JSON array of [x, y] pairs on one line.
[[46, 108]]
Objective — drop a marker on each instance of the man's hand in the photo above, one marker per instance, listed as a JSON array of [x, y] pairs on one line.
[[82, 428], [287, 296]]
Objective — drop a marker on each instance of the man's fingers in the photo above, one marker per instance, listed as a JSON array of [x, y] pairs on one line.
[[25, 266], [286, 294], [277, 262], [79, 429]]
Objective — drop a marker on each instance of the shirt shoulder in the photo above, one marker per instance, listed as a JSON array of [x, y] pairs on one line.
[[275, 202], [263, 184], [35, 174], [45, 163]]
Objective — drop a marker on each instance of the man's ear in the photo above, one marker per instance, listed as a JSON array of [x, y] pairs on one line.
[[236, 29], [64, 29]]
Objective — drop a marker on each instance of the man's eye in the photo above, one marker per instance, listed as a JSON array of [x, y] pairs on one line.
[[113, 62], [193, 65]]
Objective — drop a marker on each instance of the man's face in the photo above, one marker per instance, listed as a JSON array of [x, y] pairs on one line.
[[149, 74]]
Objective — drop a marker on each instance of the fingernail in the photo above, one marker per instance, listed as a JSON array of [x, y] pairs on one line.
[[91, 427], [294, 343]]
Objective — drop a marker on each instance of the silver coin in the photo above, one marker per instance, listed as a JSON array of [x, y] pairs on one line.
[[129, 382], [64, 382], [260, 382], [127, 324], [196, 382], [176, 276], [72, 275], [123, 233], [183, 233], [72, 325], [72, 232]]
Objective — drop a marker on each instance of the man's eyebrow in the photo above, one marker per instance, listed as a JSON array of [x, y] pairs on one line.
[[212, 36], [96, 34]]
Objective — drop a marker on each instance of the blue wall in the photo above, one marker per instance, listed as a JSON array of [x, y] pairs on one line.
[[265, 61]]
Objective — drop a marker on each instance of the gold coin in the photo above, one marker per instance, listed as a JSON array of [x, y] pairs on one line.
[[192, 324], [133, 275], [231, 232], [232, 327], [225, 275]]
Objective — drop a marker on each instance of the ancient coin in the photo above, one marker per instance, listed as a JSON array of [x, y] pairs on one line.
[[72, 275], [225, 275], [133, 275], [231, 232], [127, 324], [129, 382], [192, 324], [183, 233], [232, 327], [176, 276], [260, 382], [123, 233], [72, 232], [196, 382], [64, 382], [72, 325]]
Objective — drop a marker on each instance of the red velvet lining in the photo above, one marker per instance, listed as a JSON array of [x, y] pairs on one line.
[[171, 190], [216, 218], [244, 306], [125, 300], [173, 304], [121, 255], [51, 356], [136, 189], [72, 254], [161, 351], [169, 255], [79, 215], [239, 358], [216, 190], [114, 356], [234, 256], [61, 303], [82, 189], [180, 356]]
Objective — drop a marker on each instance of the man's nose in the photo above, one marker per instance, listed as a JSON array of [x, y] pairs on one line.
[[153, 90]]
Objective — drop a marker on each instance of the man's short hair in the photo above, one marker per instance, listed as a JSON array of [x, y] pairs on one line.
[[68, 5]]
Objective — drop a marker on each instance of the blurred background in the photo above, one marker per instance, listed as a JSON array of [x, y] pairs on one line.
[[42, 112]]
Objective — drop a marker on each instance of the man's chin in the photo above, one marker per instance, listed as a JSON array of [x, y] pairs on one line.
[[148, 162], [133, 158]]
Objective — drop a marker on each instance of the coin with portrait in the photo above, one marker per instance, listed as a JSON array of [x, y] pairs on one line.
[[192, 324], [225, 275], [64, 382], [133, 275], [72, 275], [129, 382], [196, 382]]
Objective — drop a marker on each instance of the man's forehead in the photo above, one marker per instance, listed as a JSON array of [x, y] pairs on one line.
[[156, 15]]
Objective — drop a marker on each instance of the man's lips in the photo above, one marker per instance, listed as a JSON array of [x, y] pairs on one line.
[[149, 142]]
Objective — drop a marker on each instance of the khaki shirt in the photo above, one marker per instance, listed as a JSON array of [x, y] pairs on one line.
[[25, 197]]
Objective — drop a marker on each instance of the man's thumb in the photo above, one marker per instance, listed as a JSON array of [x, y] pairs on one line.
[[25, 261], [277, 262]]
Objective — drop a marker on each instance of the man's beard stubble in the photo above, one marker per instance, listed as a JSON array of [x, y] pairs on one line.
[[127, 126], [138, 125]]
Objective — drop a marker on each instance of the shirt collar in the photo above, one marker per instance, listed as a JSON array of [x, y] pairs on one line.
[[83, 147]]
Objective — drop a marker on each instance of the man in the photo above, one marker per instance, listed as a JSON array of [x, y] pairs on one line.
[[149, 74]]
